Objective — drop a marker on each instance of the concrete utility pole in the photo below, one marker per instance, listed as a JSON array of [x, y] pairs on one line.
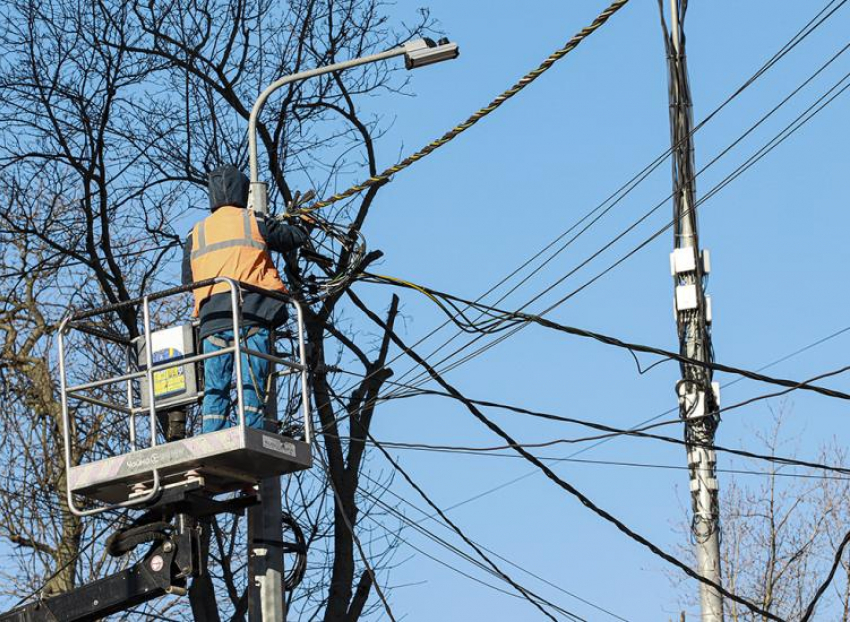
[[699, 399]]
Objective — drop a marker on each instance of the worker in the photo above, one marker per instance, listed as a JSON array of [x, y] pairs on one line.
[[234, 242]]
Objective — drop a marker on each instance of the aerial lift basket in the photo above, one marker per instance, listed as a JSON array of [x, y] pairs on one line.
[[162, 374]]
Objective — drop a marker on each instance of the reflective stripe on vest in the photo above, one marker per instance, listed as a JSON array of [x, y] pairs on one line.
[[246, 240], [228, 244]]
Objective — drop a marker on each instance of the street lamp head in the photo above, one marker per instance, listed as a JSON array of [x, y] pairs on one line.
[[421, 52]]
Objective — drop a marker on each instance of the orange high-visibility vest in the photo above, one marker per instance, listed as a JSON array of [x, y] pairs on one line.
[[228, 243]]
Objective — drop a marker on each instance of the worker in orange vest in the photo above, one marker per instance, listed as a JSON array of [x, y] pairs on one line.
[[235, 242]]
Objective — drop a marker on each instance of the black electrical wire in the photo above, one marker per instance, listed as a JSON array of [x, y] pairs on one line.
[[427, 516], [610, 518], [418, 391], [821, 17], [527, 594], [350, 527], [564, 485], [660, 204], [748, 454], [442, 542], [313, 289], [648, 422], [523, 318], [455, 550], [613, 432], [445, 545], [784, 134], [839, 553], [486, 452], [295, 575], [738, 140]]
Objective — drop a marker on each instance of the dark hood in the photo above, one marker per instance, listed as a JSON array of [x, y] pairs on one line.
[[228, 186]]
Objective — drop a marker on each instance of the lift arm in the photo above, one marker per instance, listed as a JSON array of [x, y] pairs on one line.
[[164, 570]]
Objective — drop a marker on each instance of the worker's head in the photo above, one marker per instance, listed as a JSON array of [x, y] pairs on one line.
[[228, 186]]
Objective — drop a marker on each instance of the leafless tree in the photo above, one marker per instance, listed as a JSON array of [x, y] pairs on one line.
[[781, 528], [113, 112]]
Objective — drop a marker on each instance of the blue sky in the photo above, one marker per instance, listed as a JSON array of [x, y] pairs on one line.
[[466, 216]]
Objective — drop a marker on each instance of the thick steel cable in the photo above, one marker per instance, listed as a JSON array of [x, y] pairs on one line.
[[527, 79]]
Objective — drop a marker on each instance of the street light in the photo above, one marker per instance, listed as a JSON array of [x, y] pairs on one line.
[[264, 523], [421, 52], [417, 53]]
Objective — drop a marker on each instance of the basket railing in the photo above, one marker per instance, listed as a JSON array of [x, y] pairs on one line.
[[79, 321]]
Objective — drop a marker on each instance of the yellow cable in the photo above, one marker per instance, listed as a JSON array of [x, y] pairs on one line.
[[477, 116]]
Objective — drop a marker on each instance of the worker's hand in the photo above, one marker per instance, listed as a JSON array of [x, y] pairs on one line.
[[308, 223]]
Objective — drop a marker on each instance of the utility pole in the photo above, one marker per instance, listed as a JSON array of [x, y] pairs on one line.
[[266, 601], [699, 396]]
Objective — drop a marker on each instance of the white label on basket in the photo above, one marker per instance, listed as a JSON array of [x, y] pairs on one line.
[[279, 445]]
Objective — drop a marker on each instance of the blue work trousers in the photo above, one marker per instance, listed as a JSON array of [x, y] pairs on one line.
[[218, 371]]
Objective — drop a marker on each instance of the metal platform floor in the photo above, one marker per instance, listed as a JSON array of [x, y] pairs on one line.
[[226, 460]]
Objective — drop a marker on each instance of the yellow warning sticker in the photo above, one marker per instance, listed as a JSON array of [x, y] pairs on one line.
[[169, 381]]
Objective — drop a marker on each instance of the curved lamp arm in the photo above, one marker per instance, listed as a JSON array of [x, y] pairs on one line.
[[417, 53]]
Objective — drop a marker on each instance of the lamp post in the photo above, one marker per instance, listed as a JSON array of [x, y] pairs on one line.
[[265, 551], [417, 53]]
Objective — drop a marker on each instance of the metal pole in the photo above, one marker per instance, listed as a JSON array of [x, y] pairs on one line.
[[266, 601], [265, 528], [257, 194], [303, 75], [698, 395]]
